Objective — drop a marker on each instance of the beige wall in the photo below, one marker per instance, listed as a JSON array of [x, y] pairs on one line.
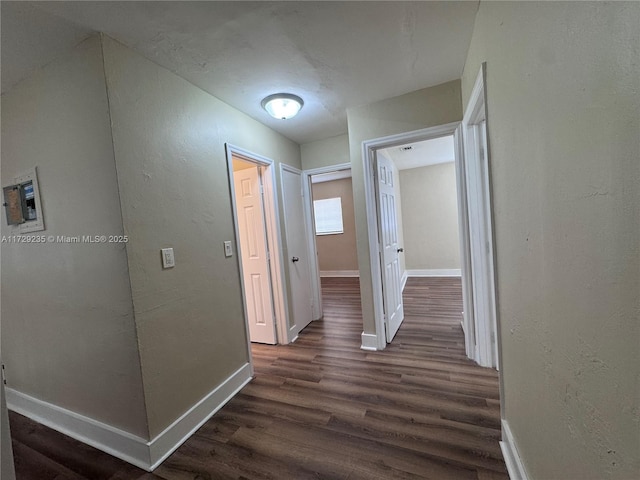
[[337, 252], [564, 132], [172, 171], [430, 217], [323, 153], [68, 332], [424, 108]]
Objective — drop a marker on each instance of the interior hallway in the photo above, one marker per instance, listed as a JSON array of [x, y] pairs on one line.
[[323, 408]]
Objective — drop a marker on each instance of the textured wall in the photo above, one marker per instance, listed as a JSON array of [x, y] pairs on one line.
[[170, 154], [430, 217], [68, 332], [323, 153], [564, 132], [424, 108]]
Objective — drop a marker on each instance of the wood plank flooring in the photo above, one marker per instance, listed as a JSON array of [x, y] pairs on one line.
[[321, 408]]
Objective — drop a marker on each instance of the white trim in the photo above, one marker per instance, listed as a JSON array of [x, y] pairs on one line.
[[368, 158], [345, 168], [478, 182], [123, 445], [512, 458], [465, 247], [405, 276], [442, 272], [179, 431], [369, 342], [116, 442], [330, 176], [316, 289], [339, 273], [274, 240]]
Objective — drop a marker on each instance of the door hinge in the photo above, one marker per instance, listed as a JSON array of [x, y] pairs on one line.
[[261, 190], [4, 375], [268, 255]]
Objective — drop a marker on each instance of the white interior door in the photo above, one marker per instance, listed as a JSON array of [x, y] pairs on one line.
[[388, 225], [255, 255], [298, 260]]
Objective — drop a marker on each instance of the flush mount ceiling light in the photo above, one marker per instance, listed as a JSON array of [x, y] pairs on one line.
[[282, 105]]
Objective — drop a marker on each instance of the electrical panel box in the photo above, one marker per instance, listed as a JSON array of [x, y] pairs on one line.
[[22, 203]]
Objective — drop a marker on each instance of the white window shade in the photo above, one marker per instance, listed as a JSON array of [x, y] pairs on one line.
[[328, 216]]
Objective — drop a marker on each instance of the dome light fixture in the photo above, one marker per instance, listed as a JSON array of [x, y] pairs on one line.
[[282, 105]]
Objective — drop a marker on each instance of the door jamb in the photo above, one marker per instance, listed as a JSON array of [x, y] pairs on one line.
[[475, 112], [468, 312], [274, 240], [369, 148], [316, 289]]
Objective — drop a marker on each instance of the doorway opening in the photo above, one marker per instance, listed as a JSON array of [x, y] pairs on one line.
[[475, 227], [421, 178], [258, 244], [329, 209], [382, 190]]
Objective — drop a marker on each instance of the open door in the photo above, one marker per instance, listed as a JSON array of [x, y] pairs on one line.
[[255, 255], [388, 232], [299, 260]]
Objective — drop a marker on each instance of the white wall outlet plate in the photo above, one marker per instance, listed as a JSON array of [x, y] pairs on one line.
[[228, 251], [168, 260]]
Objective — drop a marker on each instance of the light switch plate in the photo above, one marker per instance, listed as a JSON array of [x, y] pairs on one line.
[[168, 260], [228, 251]]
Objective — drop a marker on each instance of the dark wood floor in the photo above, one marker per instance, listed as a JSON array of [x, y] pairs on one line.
[[321, 408]]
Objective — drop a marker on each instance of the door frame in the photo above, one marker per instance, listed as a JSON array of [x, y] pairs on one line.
[[485, 328], [369, 148], [316, 287], [274, 240]]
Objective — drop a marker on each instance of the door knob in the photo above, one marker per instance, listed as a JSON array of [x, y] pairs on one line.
[[294, 259], [400, 250]]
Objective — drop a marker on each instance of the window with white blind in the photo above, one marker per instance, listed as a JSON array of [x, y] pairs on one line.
[[328, 216]]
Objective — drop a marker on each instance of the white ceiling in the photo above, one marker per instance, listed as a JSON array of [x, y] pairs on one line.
[[333, 54], [422, 154]]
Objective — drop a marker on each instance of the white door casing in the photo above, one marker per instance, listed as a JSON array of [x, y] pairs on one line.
[[388, 232], [274, 239], [255, 256], [377, 340], [476, 161], [316, 291], [298, 261], [468, 322]]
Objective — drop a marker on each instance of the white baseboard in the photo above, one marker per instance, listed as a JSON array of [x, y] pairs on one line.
[[443, 272], [179, 431], [369, 342], [339, 273], [512, 459], [404, 279], [113, 441], [130, 448]]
